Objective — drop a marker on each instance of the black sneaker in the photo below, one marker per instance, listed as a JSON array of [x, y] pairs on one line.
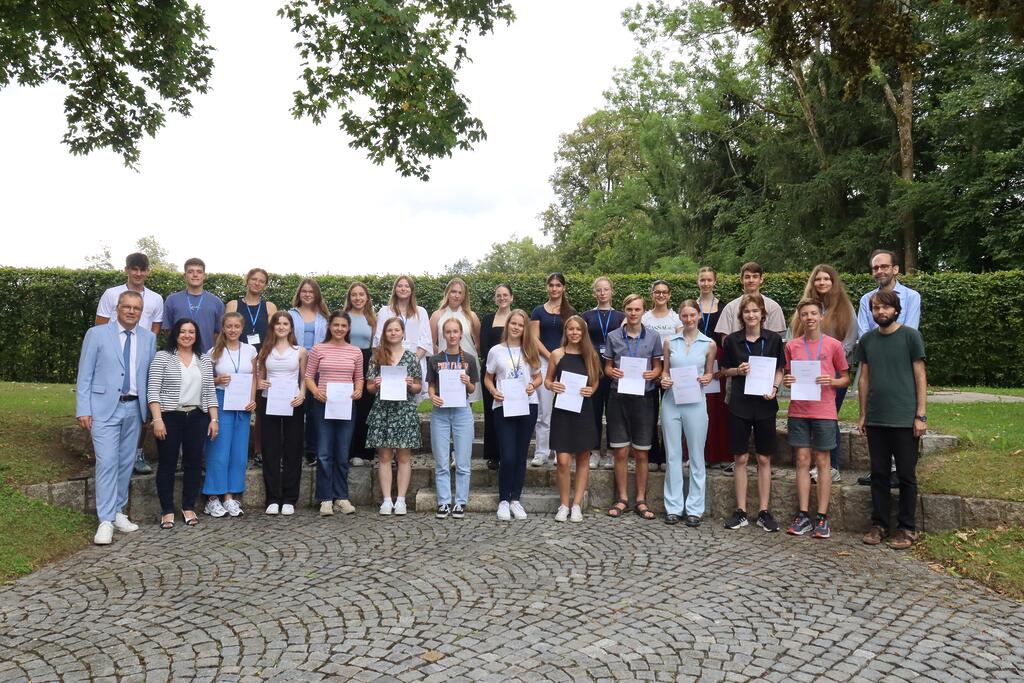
[[692, 521], [738, 520], [257, 460], [141, 466], [894, 480], [458, 512], [730, 469], [443, 510], [492, 464], [766, 521], [864, 481], [310, 459]]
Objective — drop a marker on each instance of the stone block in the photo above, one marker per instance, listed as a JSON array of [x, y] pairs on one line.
[[307, 486], [76, 440], [601, 487], [38, 491], [255, 489], [941, 512], [143, 504], [68, 494], [360, 485], [90, 496], [855, 503], [988, 513], [936, 443], [859, 458]]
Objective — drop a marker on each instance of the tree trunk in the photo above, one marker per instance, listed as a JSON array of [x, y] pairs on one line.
[[904, 112]]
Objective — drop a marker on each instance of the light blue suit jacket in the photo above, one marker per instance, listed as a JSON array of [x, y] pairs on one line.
[[101, 371]]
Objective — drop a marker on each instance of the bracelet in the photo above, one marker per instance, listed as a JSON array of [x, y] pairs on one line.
[[213, 419]]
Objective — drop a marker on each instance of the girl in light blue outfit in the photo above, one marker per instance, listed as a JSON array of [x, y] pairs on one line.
[[687, 347], [309, 321]]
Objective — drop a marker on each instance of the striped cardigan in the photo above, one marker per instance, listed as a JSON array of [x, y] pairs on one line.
[[164, 386]]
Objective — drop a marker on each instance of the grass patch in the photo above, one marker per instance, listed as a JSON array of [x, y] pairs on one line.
[[31, 417], [35, 533], [993, 557]]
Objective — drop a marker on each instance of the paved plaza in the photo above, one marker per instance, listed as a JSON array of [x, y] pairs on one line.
[[408, 599]]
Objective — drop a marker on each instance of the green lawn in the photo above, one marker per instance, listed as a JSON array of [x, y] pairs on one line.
[[994, 557], [31, 417], [35, 534]]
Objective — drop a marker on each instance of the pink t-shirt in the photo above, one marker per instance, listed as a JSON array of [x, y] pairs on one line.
[[833, 362]]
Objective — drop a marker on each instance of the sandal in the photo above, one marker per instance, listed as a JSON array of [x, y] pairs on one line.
[[618, 508], [167, 524], [190, 521], [642, 511]]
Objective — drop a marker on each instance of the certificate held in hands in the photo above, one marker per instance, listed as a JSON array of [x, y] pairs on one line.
[[339, 401], [238, 392], [685, 388], [393, 386], [571, 399], [761, 380], [279, 399], [451, 389], [633, 369], [516, 401], [806, 387]]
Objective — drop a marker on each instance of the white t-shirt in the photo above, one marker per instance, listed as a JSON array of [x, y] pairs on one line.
[[665, 326], [234, 362], [152, 305], [502, 361]]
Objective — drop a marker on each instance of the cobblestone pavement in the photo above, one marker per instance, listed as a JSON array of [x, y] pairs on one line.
[[414, 598]]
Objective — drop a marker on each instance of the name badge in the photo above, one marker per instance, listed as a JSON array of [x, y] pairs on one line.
[[253, 339], [600, 350]]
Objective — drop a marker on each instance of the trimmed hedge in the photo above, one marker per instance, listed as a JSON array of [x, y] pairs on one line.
[[46, 312]]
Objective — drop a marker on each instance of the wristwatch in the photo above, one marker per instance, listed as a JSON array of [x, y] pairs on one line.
[[922, 418]]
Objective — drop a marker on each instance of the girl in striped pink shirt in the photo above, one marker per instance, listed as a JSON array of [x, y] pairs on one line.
[[336, 360]]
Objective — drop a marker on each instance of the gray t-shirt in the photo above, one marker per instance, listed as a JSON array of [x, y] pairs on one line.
[[446, 361], [728, 322], [647, 345]]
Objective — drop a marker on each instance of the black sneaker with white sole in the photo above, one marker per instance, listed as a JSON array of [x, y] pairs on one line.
[[766, 521], [458, 512], [738, 520], [443, 510]]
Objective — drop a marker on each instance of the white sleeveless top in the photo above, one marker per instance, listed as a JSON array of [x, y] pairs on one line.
[[467, 345], [283, 368]]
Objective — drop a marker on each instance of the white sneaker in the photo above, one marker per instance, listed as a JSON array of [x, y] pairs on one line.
[[386, 508], [835, 475], [552, 458], [538, 460], [214, 508], [504, 514], [344, 507], [517, 509], [287, 509], [576, 514], [608, 462], [123, 524], [233, 508], [357, 462], [273, 509], [326, 508], [562, 514], [104, 534], [814, 474], [595, 459], [400, 507]]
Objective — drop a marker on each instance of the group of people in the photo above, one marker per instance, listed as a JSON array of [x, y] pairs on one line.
[[666, 385]]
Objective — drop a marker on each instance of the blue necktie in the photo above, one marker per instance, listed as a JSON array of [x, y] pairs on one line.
[[126, 385]]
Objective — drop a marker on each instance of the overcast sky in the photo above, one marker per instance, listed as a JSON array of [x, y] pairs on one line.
[[241, 183]]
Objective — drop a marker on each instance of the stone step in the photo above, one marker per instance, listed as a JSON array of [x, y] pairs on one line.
[[485, 500]]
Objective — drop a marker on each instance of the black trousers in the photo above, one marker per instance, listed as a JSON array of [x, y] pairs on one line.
[[186, 432], [886, 444], [281, 441], [656, 456], [362, 409]]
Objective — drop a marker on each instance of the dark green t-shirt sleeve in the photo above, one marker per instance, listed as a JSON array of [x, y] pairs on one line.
[[916, 344]]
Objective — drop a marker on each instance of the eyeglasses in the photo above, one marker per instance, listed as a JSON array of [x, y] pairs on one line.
[[661, 292]]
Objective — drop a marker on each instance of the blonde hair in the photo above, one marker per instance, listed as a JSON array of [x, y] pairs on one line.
[[318, 297], [371, 317], [837, 314], [382, 354], [221, 342], [634, 297], [465, 295], [586, 348], [393, 301], [601, 278], [527, 344]]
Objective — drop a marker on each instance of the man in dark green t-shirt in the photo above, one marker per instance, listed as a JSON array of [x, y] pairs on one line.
[[892, 390]]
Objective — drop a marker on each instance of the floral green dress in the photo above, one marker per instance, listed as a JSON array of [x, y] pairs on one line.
[[394, 424]]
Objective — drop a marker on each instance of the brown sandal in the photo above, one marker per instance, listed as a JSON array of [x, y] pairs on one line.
[[618, 508], [642, 511]]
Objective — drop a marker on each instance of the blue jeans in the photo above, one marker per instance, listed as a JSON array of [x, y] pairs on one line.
[[834, 454], [333, 444], [691, 420], [449, 425], [513, 443]]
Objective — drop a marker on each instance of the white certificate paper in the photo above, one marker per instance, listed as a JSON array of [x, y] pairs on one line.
[[634, 369], [761, 379], [279, 398], [571, 399], [516, 401], [238, 392], [806, 373], [393, 386], [339, 401], [685, 388], [451, 389], [715, 385]]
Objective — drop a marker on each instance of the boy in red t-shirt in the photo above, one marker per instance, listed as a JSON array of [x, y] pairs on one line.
[[812, 421]]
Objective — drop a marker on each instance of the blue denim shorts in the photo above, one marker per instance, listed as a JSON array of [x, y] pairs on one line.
[[806, 432]]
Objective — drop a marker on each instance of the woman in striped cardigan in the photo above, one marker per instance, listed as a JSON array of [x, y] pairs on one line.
[[184, 409]]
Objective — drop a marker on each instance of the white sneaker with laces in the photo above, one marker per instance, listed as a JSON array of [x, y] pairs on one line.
[[608, 462], [386, 508], [562, 514], [538, 460], [517, 509], [814, 474], [552, 458], [273, 509], [233, 508], [344, 507], [214, 508], [104, 534], [400, 508], [595, 459], [504, 514], [357, 462], [123, 524], [326, 508], [576, 514], [287, 509], [835, 475]]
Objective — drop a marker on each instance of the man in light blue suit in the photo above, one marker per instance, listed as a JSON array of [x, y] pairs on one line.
[[111, 402]]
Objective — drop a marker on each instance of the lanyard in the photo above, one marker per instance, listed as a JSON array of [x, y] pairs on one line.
[[751, 353], [194, 309], [254, 318], [448, 360], [604, 323], [511, 361], [236, 363], [807, 347], [635, 353], [705, 317]]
